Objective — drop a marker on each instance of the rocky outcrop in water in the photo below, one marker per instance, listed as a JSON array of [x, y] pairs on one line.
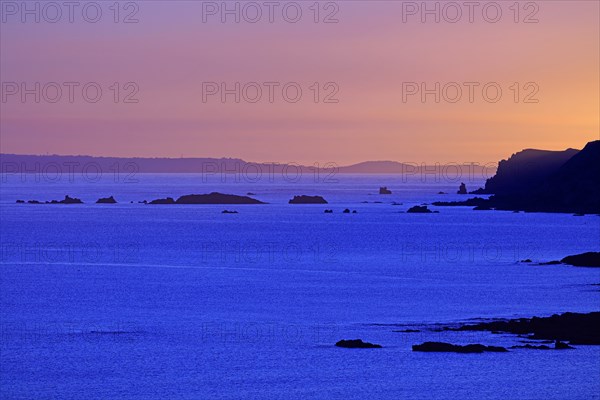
[[462, 189], [384, 190], [308, 200], [212, 198], [107, 200], [216, 198], [419, 210], [67, 200]]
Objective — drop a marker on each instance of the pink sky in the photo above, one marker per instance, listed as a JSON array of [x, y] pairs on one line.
[[369, 54]]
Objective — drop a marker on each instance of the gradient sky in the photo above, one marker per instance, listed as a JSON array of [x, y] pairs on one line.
[[368, 54]]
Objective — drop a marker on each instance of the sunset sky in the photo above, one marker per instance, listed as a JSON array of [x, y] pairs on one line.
[[369, 54]]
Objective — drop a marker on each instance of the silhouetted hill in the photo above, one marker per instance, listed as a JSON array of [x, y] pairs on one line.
[[17, 163], [524, 169], [573, 186], [77, 164]]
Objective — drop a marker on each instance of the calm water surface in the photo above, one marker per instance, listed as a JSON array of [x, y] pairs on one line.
[[138, 301]]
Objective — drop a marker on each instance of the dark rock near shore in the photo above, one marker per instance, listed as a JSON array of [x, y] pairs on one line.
[[107, 200], [532, 347], [462, 189], [591, 259], [474, 202], [20, 201], [328, 211], [357, 344], [308, 200], [419, 210], [550, 263], [168, 200], [229, 212], [453, 348], [384, 190], [572, 327], [558, 345]]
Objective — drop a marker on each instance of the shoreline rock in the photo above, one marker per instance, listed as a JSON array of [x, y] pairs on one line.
[[552, 182], [590, 259], [586, 260], [357, 344], [572, 327], [441, 347]]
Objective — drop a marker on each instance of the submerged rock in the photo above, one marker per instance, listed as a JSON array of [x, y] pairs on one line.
[[453, 348], [229, 212], [357, 344]]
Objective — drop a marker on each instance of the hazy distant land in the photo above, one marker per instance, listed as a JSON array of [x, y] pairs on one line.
[[24, 163]]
